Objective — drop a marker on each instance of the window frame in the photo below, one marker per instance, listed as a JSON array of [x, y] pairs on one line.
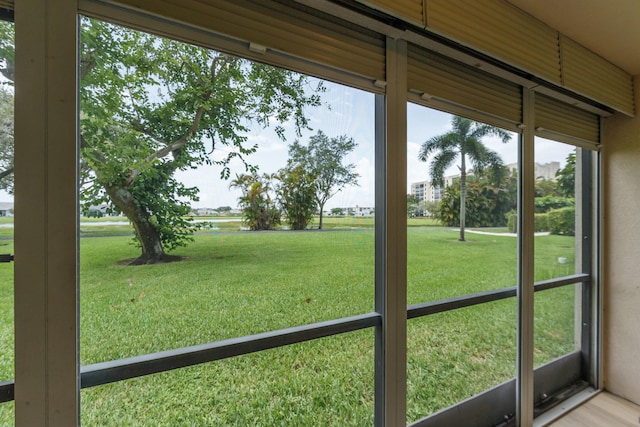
[[38, 342]]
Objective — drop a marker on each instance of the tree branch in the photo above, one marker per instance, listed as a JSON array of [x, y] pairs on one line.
[[6, 173], [193, 128], [8, 71], [169, 148]]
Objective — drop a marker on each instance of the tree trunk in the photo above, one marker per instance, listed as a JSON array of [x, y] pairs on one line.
[[148, 235], [463, 195], [321, 209]]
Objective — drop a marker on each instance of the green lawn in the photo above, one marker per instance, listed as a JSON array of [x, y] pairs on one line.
[[234, 284]]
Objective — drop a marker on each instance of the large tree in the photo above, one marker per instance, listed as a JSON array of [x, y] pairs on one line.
[[566, 177], [7, 61], [151, 106], [463, 143], [324, 158], [6, 140]]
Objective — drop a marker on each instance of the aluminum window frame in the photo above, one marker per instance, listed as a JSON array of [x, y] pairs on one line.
[[390, 317]]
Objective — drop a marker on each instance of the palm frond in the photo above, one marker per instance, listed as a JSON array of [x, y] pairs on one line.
[[437, 143], [480, 130], [441, 162]]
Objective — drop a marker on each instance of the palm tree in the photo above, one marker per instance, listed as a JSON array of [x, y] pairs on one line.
[[464, 142]]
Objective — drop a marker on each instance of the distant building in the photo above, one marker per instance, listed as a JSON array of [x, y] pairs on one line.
[[353, 211], [424, 191], [206, 212], [6, 209], [97, 211], [542, 170]]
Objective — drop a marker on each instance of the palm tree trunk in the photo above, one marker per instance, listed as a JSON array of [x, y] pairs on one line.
[[463, 195]]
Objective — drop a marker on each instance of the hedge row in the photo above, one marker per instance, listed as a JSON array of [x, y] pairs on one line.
[[557, 221]]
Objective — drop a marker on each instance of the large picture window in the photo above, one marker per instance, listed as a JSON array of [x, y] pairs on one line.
[[455, 256], [309, 222], [222, 198]]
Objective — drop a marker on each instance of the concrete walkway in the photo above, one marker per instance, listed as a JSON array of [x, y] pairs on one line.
[[488, 233]]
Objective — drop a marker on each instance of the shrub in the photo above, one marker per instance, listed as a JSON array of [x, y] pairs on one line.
[[541, 222], [546, 203], [257, 204], [486, 205], [562, 221], [512, 221]]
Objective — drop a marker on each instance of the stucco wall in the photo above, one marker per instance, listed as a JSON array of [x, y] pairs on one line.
[[621, 171]]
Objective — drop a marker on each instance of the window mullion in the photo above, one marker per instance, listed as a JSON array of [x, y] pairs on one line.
[[46, 330], [526, 193], [391, 249]]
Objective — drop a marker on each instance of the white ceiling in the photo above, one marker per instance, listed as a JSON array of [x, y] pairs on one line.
[[610, 28]]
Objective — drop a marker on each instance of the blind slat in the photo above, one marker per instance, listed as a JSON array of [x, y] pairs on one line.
[[437, 76], [563, 119], [501, 30], [591, 75], [301, 33]]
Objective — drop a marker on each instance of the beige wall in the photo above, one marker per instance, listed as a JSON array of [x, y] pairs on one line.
[[622, 254]]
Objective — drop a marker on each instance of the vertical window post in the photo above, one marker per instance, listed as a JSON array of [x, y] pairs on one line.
[[46, 331], [391, 240], [526, 192]]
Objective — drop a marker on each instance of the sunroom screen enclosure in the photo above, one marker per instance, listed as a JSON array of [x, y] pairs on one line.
[[394, 67]]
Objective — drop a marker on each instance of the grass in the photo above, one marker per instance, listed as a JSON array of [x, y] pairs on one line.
[[234, 284]]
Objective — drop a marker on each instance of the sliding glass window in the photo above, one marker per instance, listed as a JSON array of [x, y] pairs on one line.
[[223, 201], [458, 259], [564, 256]]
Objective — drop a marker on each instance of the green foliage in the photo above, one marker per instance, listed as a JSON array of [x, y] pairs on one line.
[[6, 140], [7, 50], [567, 177], [258, 201], [486, 205], [541, 222], [547, 203], [431, 207], [164, 197], [152, 106], [512, 221], [324, 158], [545, 187], [412, 205], [296, 195], [563, 221], [337, 211]]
